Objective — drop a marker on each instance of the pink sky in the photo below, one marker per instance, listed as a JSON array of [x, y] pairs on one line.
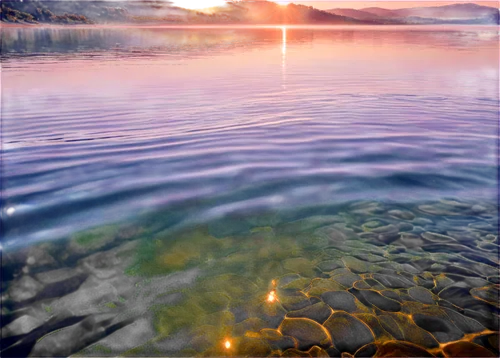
[[384, 4]]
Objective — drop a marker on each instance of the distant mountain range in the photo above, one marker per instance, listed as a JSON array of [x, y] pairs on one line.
[[467, 13], [235, 12], [147, 11]]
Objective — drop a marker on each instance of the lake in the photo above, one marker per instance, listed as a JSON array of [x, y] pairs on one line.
[[250, 190]]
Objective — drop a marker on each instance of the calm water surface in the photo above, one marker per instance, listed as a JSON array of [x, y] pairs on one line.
[[102, 124], [250, 192]]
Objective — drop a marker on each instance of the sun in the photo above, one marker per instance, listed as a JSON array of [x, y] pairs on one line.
[[198, 4]]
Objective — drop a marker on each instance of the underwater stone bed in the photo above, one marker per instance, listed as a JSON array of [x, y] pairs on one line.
[[369, 279]]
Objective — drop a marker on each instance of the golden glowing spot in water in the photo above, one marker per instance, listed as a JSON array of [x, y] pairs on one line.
[[227, 344], [272, 296]]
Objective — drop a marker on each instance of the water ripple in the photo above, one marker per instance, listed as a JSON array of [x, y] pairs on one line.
[[93, 136]]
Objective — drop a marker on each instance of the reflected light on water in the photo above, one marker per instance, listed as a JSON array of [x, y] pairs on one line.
[[272, 296], [283, 42]]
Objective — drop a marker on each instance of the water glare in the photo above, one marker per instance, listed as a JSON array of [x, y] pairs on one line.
[[272, 296]]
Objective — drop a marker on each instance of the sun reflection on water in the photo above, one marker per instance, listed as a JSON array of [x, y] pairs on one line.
[[272, 296], [283, 55]]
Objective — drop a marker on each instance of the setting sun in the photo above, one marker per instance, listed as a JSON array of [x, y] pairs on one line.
[[198, 4]]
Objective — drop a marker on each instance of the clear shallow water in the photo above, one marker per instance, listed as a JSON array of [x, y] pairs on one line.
[[250, 192]]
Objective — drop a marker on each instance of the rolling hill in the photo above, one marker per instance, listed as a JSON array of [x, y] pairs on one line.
[[356, 14], [378, 11], [466, 13], [454, 11]]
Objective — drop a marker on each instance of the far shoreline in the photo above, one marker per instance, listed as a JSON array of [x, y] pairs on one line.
[[240, 26]]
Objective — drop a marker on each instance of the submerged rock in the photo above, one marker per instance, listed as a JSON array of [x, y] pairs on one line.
[[347, 332], [346, 279], [372, 284], [490, 341], [442, 329], [330, 265], [291, 277], [359, 266], [319, 286], [87, 242], [318, 312], [298, 284], [307, 332], [249, 346], [403, 328], [295, 301], [368, 350], [490, 294], [421, 295], [318, 352], [390, 281], [271, 312], [441, 281], [381, 302], [253, 324], [204, 338], [372, 321], [300, 265], [342, 301], [276, 340], [393, 295], [292, 352], [466, 349], [401, 349]]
